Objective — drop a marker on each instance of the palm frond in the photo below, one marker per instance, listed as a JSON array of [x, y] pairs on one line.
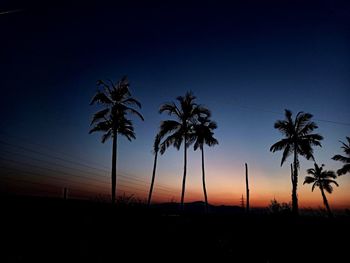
[[309, 180], [170, 108], [311, 171], [197, 145], [346, 147], [301, 120], [308, 127], [174, 139], [328, 188], [212, 125], [313, 186], [132, 101], [344, 170], [284, 127], [330, 181], [201, 111], [103, 126], [280, 145], [156, 142], [133, 111], [313, 139], [126, 129], [341, 158], [102, 98], [287, 151], [168, 126], [211, 141], [100, 115], [305, 149], [106, 136], [105, 86], [328, 174], [288, 115]]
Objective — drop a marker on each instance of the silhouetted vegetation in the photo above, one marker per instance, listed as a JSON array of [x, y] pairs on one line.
[[41, 229], [322, 180], [156, 145], [298, 140], [112, 120], [203, 133], [346, 160], [180, 131], [247, 187], [277, 208]]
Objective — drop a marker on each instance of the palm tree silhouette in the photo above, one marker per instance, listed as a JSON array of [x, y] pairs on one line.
[[346, 167], [181, 129], [112, 120], [298, 141], [156, 145], [203, 132], [323, 180]]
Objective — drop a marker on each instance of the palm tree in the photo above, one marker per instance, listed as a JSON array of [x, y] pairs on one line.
[[180, 130], [112, 120], [346, 167], [203, 132], [298, 140], [323, 180], [156, 145]]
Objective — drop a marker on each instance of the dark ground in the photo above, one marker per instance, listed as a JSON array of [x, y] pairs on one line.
[[54, 230]]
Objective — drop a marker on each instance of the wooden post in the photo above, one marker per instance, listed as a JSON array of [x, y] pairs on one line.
[[65, 193], [247, 187]]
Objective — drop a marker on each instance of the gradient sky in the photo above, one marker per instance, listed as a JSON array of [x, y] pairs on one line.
[[247, 61]]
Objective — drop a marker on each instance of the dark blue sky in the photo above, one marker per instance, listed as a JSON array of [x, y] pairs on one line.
[[244, 60]]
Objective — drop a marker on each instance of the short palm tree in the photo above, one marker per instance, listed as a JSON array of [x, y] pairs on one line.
[[346, 160], [112, 120], [323, 180], [203, 132], [298, 140], [180, 130], [156, 145]]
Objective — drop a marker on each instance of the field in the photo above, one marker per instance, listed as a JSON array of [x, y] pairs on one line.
[[55, 230]]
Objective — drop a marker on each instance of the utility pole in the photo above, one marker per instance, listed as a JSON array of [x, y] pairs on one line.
[[247, 187]]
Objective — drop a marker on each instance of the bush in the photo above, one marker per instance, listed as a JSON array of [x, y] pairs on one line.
[[277, 208]]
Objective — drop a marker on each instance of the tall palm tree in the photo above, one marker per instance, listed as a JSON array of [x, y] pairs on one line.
[[180, 130], [298, 140], [346, 167], [203, 132], [112, 120], [156, 145], [323, 180]]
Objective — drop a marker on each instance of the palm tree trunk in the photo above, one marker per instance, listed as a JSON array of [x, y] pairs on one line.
[[247, 187], [153, 176], [295, 209], [203, 179], [114, 167], [184, 176], [325, 201]]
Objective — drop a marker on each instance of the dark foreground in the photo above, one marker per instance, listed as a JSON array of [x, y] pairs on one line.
[[50, 230]]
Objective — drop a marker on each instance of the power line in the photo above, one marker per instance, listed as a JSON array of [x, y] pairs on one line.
[[74, 175], [125, 175], [52, 170], [50, 149], [237, 105], [77, 163], [68, 179]]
